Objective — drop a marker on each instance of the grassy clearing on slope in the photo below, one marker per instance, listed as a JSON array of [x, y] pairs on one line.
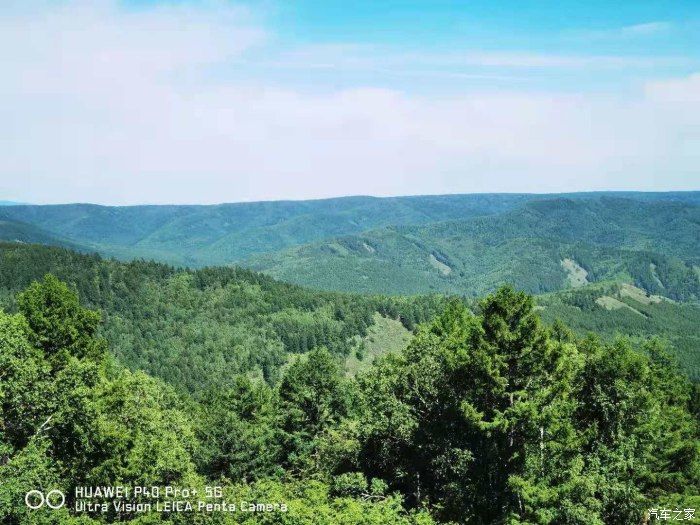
[[439, 265], [613, 309], [577, 276], [610, 303], [385, 335], [639, 295]]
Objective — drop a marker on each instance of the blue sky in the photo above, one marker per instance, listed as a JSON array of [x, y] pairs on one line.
[[139, 101], [646, 38], [497, 25]]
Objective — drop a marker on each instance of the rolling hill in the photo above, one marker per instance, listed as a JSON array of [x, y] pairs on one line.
[[197, 328], [198, 236], [542, 246], [456, 244], [222, 234], [16, 231]]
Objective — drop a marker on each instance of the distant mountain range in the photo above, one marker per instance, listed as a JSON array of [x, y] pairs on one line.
[[464, 244], [541, 246], [227, 233]]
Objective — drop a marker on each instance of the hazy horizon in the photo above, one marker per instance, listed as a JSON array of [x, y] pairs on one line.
[[10, 202]]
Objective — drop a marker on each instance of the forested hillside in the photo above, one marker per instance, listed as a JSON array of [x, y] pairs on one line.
[[16, 231], [487, 417], [543, 246], [198, 327], [613, 310], [456, 244], [201, 327], [221, 234]]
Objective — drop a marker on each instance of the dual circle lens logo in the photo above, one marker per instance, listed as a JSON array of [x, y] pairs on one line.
[[35, 499]]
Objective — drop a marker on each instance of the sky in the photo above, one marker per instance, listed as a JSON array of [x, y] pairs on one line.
[[144, 101]]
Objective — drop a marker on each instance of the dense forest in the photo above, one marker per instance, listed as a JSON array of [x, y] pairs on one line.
[[653, 245], [611, 310], [200, 235], [488, 416], [455, 244], [195, 328]]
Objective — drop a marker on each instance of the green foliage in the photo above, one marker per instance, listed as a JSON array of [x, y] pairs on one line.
[[64, 421], [148, 436], [637, 315], [313, 397], [191, 328], [23, 388], [316, 503], [652, 244], [496, 419], [238, 431], [351, 484], [58, 323], [486, 417]]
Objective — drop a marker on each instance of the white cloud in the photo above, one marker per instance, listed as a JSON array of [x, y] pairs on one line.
[[630, 32], [384, 58], [648, 28], [91, 45], [682, 91], [105, 105]]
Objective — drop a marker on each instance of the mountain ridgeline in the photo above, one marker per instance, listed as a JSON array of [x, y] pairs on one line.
[[221, 234], [461, 244], [542, 246]]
